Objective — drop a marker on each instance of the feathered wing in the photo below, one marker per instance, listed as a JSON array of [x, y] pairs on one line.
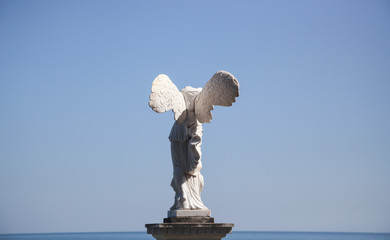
[[165, 96], [221, 89]]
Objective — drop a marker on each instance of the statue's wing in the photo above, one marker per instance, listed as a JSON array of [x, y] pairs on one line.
[[165, 96], [221, 89]]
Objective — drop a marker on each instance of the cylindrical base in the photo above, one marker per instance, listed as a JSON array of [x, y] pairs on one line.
[[182, 231]]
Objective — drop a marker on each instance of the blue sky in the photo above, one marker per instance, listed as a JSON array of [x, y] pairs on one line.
[[306, 147]]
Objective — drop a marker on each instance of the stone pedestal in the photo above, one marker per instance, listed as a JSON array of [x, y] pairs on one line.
[[189, 224], [190, 213]]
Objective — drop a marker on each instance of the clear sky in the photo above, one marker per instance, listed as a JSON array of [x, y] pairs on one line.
[[306, 147]]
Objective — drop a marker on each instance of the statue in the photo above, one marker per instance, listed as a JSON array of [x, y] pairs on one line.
[[191, 107]]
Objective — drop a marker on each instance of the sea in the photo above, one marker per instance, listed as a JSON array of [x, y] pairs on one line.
[[236, 235]]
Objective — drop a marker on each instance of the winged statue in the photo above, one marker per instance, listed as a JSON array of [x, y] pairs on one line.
[[191, 107]]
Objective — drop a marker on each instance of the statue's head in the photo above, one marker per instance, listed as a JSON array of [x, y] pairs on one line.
[[189, 94]]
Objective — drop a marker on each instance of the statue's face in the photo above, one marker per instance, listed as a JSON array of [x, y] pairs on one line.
[[189, 94]]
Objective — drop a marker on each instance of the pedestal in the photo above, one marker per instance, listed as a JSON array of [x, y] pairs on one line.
[[189, 224]]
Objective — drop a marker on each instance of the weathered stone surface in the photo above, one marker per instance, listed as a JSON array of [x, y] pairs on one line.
[[177, 231]]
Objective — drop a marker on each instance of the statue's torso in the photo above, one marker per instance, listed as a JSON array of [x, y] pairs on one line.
[[185, 131]]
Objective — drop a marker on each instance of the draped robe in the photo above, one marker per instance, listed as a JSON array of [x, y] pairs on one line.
[[186, 140]]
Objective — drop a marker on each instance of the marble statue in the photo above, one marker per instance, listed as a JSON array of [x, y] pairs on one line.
[[191, 107]]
